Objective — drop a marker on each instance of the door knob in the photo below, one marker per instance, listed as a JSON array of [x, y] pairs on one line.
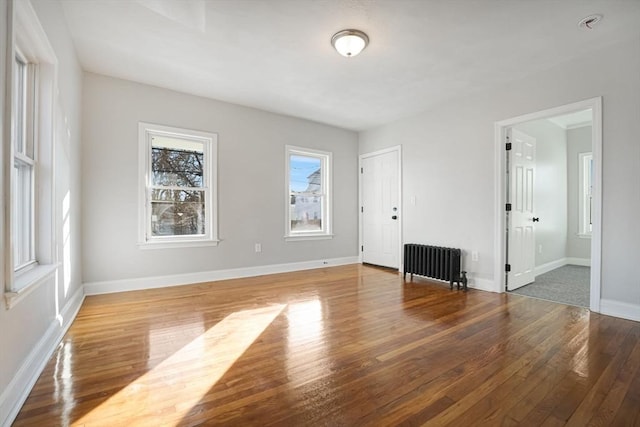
[[394, 217], [536, 219]]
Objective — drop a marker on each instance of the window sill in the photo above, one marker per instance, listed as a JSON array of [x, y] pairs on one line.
[[584, 236], [178, 244], [296, 238], [28, 281]]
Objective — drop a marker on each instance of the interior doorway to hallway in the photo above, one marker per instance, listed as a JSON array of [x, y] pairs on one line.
[[550, 178], [550, 204]]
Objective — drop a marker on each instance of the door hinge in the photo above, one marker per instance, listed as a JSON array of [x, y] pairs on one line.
[[508, 146], [361, 248], [508, 207], [507, 267], [361, 208], [361, 170]]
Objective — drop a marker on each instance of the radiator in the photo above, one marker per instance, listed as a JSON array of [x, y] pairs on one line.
[[434, 262]]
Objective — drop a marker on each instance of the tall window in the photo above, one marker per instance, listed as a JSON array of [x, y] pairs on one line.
[[24, 165], [585, 195], [30, 191], [308, 214], [177, 181]]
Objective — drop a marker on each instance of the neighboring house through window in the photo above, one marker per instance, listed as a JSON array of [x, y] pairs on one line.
[[177, 183], [308, 213]]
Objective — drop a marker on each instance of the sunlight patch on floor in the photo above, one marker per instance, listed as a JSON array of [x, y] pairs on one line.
[[307, 342], [185, 376]]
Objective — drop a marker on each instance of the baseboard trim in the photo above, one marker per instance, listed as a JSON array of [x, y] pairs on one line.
[[112, 286], [621, 309], [545, 268], [16, 393], [482, 284], [585, 262]]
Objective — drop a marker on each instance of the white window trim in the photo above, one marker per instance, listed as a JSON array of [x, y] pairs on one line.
[[584, 160], [27, 36], [210, 140], [30, 136], [326, 162], [29, 281]]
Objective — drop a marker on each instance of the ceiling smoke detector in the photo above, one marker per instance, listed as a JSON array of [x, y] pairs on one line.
[[589, 22]]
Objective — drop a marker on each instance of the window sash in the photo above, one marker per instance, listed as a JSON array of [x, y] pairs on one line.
[[20, 106], [24, 106], [24, 166], [585, 165], [154, 224], [304, 227], [207, 223], [188, 175], [23, 222]]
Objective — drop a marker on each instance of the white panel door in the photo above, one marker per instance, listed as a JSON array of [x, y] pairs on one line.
[[521, 222], [380, 178]]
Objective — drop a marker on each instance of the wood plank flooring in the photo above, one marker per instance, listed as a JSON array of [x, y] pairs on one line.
[[341, 346]]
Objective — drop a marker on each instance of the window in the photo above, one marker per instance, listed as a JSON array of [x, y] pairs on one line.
[[30, 219], [178, 194], [308, 196], [585, 195], [24, 165]]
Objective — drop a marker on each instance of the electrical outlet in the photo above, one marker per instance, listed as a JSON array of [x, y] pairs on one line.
[[413, 200], [539, 249], [474, 256], [258, 247]]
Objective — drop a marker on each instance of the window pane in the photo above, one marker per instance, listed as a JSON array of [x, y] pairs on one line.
[[20, 105], [585, 196], [177, 162], [590, 191], [177, 212], [305, 174], [305, 212], [22, 223], [305, 192]]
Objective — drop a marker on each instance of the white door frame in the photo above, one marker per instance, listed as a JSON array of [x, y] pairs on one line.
[[398, 149], [595, 104]]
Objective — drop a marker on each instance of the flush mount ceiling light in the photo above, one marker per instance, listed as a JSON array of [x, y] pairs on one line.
[[349, 42]]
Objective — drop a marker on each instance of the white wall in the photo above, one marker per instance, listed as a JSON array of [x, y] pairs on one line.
[[448, 155], [550, 194], [578, 141], [251, 183], [31, 329]]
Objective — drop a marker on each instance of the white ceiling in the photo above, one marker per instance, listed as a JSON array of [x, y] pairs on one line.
[[276, 54], [573, 120]]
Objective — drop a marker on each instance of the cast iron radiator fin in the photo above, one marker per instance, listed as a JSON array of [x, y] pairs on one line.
[[435, 262]]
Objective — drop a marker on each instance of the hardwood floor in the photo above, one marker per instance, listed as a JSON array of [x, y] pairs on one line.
[[341, 346]]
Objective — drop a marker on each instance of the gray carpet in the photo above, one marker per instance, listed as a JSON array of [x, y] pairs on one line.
[[568, 285]]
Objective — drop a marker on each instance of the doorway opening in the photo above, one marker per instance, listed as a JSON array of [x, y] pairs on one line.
[[549, 204]]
